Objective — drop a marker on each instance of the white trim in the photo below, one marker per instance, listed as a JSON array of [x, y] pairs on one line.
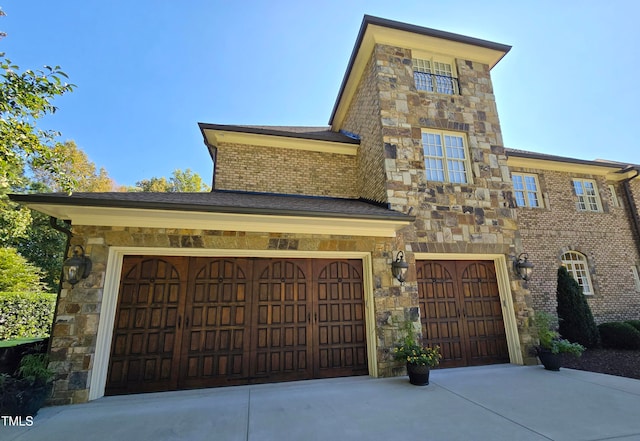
[[200, 220], [112, 282], [504, 288]]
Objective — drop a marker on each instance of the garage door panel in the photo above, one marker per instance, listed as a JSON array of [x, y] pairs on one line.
[[461, 311], [197, 322]]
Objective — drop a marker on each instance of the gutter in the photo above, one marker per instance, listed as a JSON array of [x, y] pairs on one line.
[[633, 208]]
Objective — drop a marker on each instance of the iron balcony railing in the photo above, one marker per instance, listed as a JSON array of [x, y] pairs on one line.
[[436, 83]]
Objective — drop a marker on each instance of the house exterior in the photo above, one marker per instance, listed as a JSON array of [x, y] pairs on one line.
[[277, 277]]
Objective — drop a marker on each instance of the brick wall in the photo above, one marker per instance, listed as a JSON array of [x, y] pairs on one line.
[[606, 239], [363, 118], [281, 170]]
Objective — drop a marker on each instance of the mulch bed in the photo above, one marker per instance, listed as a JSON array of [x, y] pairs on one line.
[[623, 363]]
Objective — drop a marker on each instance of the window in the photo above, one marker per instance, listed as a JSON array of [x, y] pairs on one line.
[[434, 76], [636, 276], [587, 193], [614, 196], [576, 265], [445, 157], [527, 190]]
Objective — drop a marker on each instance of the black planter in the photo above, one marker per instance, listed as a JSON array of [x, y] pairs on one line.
[[19, 398], [418, 375], [550, 361]]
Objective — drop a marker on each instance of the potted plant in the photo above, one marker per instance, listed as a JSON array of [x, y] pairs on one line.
[[419, 359], [24, 393], [552, 344]]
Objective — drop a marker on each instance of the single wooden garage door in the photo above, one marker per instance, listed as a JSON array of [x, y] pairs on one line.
[[461, 312], [188, 322]]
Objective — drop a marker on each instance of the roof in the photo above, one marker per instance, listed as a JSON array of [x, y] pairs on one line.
[[546, 157], [397, 25], [224, 201], [323, 133]]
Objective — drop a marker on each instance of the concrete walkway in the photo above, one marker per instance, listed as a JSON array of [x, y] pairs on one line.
[[499, 402]]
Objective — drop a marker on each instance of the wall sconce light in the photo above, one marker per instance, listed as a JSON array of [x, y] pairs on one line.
[[399, 267], [76, 267], [523, 267]]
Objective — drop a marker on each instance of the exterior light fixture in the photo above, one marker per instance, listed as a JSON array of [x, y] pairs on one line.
[[523, 267], [399, 267], [76, 267]]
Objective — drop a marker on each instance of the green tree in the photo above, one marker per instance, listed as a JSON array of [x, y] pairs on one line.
[[576, 321], [26, 97], [18, 275], [76, 165], [180, 181]]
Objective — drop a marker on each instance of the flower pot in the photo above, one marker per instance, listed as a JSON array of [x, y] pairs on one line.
[[550, 361], [418, 374]]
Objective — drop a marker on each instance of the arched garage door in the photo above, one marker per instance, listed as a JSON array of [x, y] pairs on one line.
[[189, 322], [461, 312]]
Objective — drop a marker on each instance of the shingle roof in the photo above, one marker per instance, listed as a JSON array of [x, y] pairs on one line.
[[323, 133], [546, 157], [224, 202]]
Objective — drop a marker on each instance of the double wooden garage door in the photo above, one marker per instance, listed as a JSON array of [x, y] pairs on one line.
[[461, 312], [188, 322]]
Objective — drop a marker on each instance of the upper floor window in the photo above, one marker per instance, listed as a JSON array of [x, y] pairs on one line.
[[527, 190], [614, 196], [576, 265], [446, 158], [435, 76], [587, 193]]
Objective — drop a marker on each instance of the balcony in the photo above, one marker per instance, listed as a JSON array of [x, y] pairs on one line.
[[430, 82]]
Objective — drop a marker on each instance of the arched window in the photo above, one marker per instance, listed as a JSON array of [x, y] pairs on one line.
[[576, 265]]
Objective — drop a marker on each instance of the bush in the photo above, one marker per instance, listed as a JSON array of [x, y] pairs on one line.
[[26, 314], [634, 323], [576, 321], [619, 335]]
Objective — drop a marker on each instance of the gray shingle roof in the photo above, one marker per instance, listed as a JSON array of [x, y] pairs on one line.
[[224, 202], [317, 133]]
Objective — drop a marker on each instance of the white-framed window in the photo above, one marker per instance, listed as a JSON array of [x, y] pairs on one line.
[[576, 265], [435, 76], [446, 158], [527, 190], [587, 193], [614, 196]]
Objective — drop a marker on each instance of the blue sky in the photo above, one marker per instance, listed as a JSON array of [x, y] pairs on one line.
[[148, 71]]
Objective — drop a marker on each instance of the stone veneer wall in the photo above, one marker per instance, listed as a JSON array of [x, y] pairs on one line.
[[474, 218], [76, 324], [606, 239], [280, 170]]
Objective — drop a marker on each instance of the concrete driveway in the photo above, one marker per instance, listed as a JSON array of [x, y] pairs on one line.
[[499, 402]]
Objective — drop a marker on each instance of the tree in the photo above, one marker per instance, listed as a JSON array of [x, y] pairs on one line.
[[18, 275], [576, 321], [25, 97], [76, 165], [180, 181]]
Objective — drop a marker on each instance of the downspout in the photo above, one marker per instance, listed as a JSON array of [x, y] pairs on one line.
[[633, 208], [53, 222]]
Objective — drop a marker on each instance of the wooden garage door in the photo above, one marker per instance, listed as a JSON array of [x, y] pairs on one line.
[[461, 312], [198, 322]]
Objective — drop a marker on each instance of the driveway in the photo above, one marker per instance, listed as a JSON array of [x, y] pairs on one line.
[[498, 402]]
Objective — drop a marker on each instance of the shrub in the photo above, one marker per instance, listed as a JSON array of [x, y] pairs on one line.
[[17, 274], [576, 321], [26, 314], [634, 323], [619, 335]]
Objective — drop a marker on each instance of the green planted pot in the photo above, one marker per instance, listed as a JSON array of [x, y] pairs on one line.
[[418, 374]]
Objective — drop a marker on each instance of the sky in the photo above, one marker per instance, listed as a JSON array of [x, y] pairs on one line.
[[147, 71]]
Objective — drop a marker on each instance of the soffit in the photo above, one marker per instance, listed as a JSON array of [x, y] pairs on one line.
[[215, 137]]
